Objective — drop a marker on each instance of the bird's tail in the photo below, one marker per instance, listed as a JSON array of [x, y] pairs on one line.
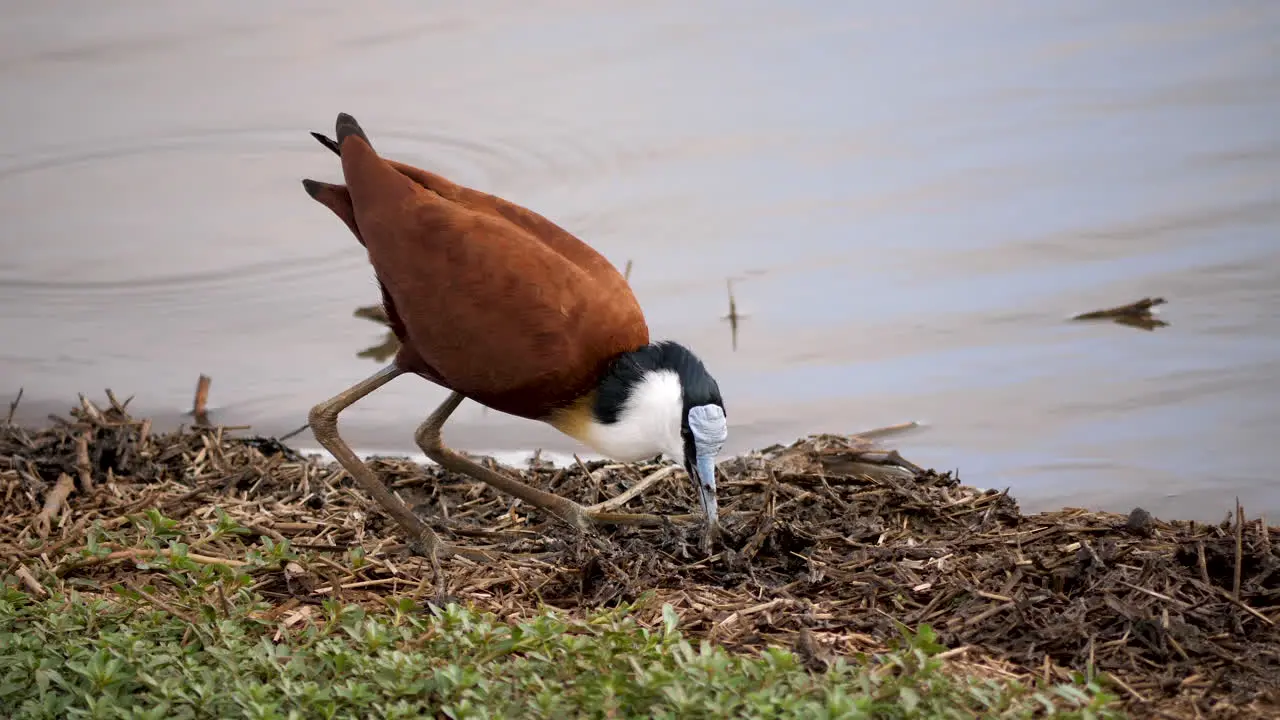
[[325, 141], [336, 198], [372, 184], [346, 127]]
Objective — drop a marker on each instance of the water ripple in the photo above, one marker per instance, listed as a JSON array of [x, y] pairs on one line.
[[481, 163]]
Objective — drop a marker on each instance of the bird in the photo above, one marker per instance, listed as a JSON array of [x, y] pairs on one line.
[[497, 304]]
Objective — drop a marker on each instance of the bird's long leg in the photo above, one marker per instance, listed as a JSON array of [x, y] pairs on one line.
[[324, 424], [428, 437]]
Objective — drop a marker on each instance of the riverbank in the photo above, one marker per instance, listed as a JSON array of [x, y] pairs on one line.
[[834, 547]]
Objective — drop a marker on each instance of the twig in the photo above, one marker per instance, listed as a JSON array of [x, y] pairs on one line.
[[120, 407], [992, 610], [1125, 686], [71, 536], [30, 581], [199, 406], [886, 430], [363, 584], [807, 647], [586, 474], [92, 410], [143, 554], [53, 503], [1213, 684], [826, 486], [745, 612], [626, 274], [622, 498], [1152, 593], [764, 522], [294, 433], [154, 600], [1235, 580], [1245, 606], [83, 468], [1204, 566], [13, 407]]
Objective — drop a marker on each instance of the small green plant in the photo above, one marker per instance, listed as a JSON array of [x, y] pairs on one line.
[[190, 639], [103, 656]]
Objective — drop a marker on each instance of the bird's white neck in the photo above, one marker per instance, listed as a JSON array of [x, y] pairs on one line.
[[647, 424]]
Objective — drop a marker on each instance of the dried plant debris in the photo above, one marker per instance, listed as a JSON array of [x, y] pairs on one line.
[[831, 546], [200, 404]]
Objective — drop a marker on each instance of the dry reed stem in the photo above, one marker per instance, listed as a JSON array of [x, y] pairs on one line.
[[144, 554], [200, 404], [30, 581], [13, 407], [53, 503], [83, 468], [1235, 581]]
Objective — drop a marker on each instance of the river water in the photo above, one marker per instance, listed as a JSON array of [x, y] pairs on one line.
[[911, 203]]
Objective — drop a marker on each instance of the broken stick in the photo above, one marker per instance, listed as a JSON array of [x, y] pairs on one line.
[[1139, 308], [53, 503], [13, 407], [83, 468], [199, 406]]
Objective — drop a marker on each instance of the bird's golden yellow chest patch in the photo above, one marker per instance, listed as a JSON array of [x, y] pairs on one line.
[[575, 419]]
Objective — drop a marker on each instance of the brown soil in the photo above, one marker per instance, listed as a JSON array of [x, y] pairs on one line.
[[831, 546]]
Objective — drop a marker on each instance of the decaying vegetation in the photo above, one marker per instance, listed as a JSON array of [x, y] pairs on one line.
[[833, 546]]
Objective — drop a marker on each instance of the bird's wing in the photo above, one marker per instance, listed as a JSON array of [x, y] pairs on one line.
[[499, 313], [538, 226]]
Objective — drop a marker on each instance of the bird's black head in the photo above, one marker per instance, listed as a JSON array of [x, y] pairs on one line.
[[662, 399], [629, 371]]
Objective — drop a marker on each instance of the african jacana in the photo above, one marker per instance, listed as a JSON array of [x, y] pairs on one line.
[[500, 305]]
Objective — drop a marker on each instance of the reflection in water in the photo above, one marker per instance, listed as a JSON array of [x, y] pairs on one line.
[[382, 351], [1142, 322], [733, 316], [386, 349], [13, 407]]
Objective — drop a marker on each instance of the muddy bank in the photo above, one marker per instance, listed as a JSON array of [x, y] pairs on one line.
[[831, 545]]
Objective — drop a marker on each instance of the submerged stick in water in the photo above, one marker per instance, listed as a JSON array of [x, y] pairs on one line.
[[199, 406], [1138, 314]]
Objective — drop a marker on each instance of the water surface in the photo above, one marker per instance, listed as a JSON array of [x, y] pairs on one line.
[[911, 201]]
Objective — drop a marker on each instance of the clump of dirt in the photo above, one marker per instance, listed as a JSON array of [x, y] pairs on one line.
[[831, 545]]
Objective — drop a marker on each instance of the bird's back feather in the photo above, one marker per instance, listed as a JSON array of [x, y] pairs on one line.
[[488, 298]]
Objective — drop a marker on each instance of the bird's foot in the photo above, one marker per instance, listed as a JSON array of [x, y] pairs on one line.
[[605, 517], [430, 546], [573, 515]]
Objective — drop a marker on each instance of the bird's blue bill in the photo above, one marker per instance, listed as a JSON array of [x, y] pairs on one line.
[[705, 467]]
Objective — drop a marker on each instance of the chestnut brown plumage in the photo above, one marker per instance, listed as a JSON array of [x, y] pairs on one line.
[[498, 304]]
